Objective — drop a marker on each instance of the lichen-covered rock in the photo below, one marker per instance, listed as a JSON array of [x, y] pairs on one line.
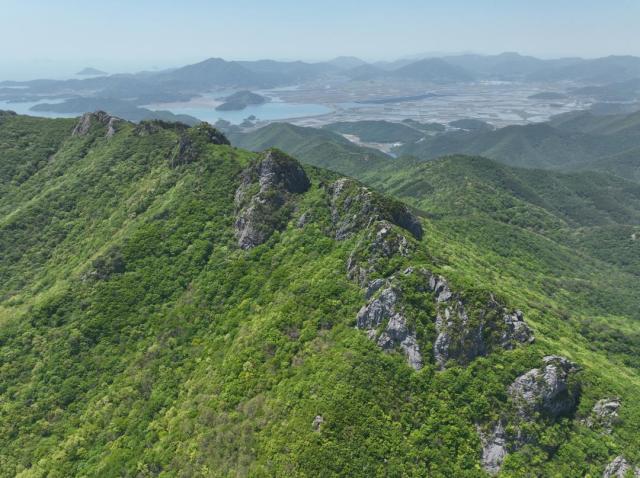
[[87, 120], [461, 336], [604, 414], [263, 197], [549, 390], [386, 310], [620, 468], [355, 207], [494, 448]]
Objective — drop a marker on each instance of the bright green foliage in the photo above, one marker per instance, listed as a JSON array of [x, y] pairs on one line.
[[137, 339]]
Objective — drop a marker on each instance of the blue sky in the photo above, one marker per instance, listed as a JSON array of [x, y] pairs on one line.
[[143, 33]]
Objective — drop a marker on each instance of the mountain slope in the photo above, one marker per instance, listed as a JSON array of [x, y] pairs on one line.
[[568, 142], [318, 147], [372, 131], [174, 306]]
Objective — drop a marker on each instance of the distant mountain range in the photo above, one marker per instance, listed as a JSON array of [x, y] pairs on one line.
[[613, 78], [578, 141]]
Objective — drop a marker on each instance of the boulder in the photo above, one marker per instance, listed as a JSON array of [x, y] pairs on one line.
[[317, 423], [515, 330], [263, 197], [604, 414], [549, 390]]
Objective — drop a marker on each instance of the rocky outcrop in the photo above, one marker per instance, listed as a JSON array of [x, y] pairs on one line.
[[385, 323], [191, 141], [316, 425], [263, 198], [185, 151], [494, 448], [461, 336], [515, 331], [209, 134], [545, 393], [355, 207], [620, 468], [100, 118], [382, 242], [604, 414], [549, 390]]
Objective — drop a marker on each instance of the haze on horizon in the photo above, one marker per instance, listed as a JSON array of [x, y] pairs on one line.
[[42, 37]]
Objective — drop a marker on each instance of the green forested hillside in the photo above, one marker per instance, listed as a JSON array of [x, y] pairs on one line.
[[173, 306], [318, 147], [377, 131]]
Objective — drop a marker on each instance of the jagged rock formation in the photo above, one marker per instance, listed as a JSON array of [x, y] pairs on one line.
[[382, 242], [463, 338], [188, 148], [386, 310], [355, 207], [209, 134], [549, 390], [494, 448], [85, 122], [604, 414], [263, 198], [620, 468]]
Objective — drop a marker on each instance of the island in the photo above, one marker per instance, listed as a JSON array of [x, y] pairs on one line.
[[89, 71], [240, 100]]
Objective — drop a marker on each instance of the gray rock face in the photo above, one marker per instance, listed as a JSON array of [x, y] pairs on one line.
[[604, 414], [515, 331], [355, 207], [85, 122], [547, 390], [494, 448], [396, 333], [457, 338], [266, 188], [317, 423], [374, 286], [463, 338], [620, 468]]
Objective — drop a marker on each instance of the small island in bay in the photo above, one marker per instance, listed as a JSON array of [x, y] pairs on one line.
[[240, 100], [89, 71]]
